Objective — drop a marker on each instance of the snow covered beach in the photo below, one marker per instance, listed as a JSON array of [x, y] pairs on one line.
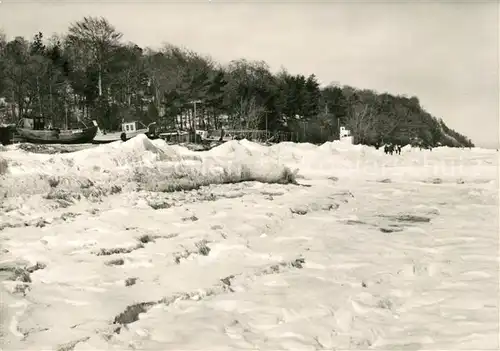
[[292, 246]]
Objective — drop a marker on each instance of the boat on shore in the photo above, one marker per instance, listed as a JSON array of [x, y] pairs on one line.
[[39, 134], [174, 137], [7, 133], [219, 136], [129, 130]]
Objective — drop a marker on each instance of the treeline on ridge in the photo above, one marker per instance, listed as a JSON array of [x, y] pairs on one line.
[[92, 73]]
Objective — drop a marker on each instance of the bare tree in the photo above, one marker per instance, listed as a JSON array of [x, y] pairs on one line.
[[17, 73], [94, 41], [165, 70], [361, 122], [249, 112]]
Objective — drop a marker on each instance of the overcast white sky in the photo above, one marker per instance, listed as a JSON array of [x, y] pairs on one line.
[[446, 53]]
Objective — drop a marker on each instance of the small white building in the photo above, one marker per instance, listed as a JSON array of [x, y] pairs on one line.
[[344, 132]]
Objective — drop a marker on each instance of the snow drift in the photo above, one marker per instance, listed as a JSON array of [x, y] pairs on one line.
[[137, 163], [153, 165]]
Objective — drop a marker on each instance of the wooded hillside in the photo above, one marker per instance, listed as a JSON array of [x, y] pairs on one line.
[[91, 72]]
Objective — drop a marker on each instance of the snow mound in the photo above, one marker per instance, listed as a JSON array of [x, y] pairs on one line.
[[137, 163], [154, 165]]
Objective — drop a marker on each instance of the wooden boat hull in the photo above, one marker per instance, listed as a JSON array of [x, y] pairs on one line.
[[7, 134], [55, 136], [115, 136]]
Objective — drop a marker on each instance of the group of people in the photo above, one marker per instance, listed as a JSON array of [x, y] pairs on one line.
[[391, 149]]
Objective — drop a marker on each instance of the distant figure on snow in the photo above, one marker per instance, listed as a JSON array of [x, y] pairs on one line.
[[389, 149]]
